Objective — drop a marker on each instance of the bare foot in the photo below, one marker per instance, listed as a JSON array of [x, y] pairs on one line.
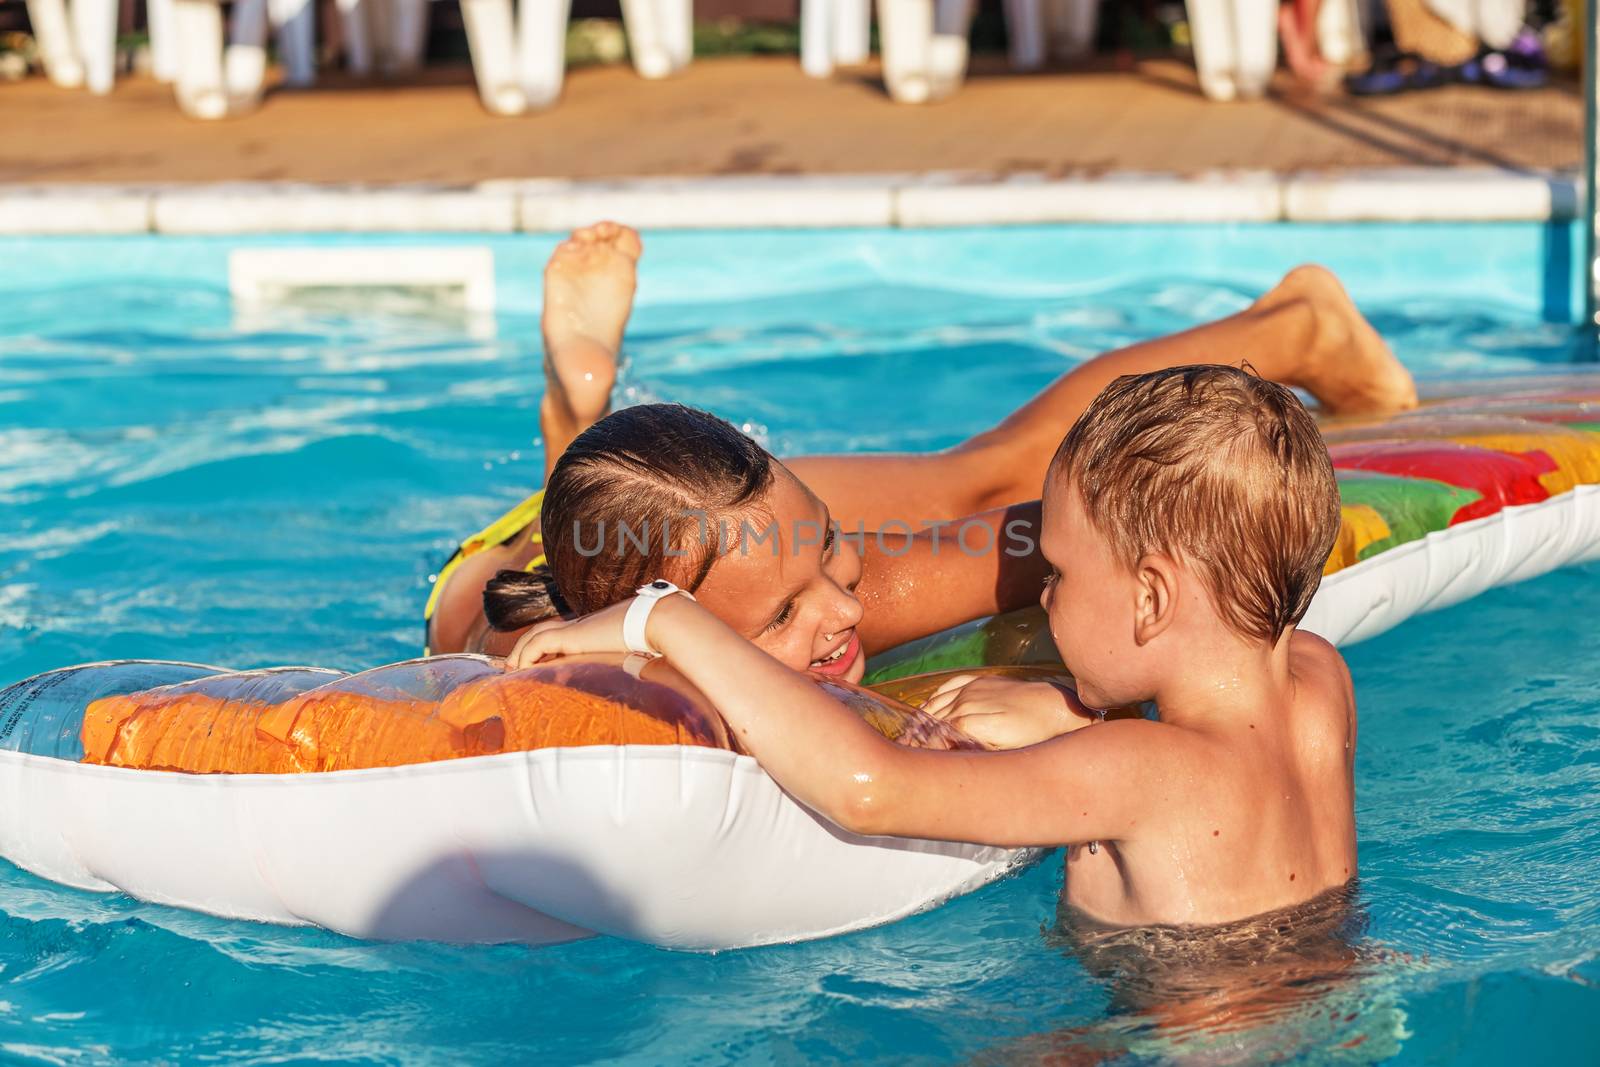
[[1300, 48], [588, 294], [1347, 367]]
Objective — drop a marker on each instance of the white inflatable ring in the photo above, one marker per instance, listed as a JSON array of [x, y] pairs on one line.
[[684, 847]]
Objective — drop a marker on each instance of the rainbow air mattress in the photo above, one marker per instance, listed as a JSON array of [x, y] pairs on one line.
[[1488, 482]]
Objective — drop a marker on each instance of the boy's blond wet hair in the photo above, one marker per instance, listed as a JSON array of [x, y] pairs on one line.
[[1219, 468]]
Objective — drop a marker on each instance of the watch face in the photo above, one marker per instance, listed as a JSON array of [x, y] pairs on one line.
[[661, 583]]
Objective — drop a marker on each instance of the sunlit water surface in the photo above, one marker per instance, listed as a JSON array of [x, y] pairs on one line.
[[176, 482]]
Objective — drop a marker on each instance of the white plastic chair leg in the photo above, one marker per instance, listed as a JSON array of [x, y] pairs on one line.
[[1255, 25], [646, 42], [53, 34], [924, 47], [676, 19], [1070, 27], [244, 61], [1495, 23], [905, 31], [354, 18], [163, 40], [94, 27], [1025, 29], [816, 37], [297, 40], [409, 35], [1339, 36], [1215, 58], [947, 52], [852, 31], [491, 39], [197, 44], [542, 49]]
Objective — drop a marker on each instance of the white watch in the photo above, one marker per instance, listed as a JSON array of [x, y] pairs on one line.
[[645, 600]]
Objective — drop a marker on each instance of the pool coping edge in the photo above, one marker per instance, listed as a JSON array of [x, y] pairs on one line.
[[795, 202]]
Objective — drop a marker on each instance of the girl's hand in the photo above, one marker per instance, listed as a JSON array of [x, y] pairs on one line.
[[554, 638], [1005, 712]]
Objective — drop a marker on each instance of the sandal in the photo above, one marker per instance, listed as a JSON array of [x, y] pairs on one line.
[[1394, 72], [1520, 65]]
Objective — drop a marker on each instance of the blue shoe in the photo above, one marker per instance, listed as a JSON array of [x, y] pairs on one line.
[[1520, 65], [1395, 72]]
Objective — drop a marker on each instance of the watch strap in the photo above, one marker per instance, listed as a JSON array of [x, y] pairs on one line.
[[638, 614]]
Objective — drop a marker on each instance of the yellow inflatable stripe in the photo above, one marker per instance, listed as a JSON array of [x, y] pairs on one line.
[[1576, 456], [497, 532], [1360, 526]]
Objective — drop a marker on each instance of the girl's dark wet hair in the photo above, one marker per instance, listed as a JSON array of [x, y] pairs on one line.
[[649, 470]]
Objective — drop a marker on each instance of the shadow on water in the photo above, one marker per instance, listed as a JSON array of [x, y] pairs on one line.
[[1565, 275], [1563, 300], [428, 906]]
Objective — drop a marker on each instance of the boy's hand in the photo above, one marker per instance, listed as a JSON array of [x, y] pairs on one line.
[[1007, 713]]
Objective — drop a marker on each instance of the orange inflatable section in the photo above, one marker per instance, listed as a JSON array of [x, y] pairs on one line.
[[342, 730], [331, 729]]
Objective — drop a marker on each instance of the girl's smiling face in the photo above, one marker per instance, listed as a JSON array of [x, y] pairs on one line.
[[787, 582]]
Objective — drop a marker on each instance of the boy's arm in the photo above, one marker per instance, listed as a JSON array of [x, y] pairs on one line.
[[913, 585], [1082, 787], [1089, 785]]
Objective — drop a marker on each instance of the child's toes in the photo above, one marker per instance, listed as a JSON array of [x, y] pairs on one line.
[[628, 242]]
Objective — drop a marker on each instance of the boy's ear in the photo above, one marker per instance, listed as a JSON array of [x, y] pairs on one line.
[[1157, 582]]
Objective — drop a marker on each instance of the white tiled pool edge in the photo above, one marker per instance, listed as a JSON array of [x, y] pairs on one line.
[[783, 201]]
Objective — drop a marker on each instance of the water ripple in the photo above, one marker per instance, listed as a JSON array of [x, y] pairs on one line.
[[181, 483]]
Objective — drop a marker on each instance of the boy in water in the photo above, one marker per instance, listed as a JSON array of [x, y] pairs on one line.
[[1186, 519]]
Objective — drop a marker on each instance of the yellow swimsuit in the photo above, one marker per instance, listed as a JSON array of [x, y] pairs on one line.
[[497, 532]]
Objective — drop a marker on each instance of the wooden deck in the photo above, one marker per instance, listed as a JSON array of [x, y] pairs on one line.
[[751, 116]]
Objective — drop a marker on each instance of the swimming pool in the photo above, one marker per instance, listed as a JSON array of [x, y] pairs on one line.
[[181, 481]]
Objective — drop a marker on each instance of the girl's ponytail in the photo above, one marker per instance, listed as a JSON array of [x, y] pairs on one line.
[[514, 599]]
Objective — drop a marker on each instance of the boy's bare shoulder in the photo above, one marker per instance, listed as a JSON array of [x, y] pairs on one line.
[[1322, 679], [1315, 659]]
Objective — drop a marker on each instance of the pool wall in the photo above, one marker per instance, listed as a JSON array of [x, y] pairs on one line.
[[1529, 267]]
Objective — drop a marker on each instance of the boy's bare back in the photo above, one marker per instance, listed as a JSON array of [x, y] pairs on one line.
[[1186, 521], [1192, 511], [1263, 818]]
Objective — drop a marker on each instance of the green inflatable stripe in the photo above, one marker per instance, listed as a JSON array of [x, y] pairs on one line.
[[1413, 507], [1017, 637], [963, 646]]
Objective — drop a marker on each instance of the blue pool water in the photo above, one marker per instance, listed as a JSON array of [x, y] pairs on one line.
[[178, 480]]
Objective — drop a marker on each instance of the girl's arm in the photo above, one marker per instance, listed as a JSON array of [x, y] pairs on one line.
[[1076, 788]]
